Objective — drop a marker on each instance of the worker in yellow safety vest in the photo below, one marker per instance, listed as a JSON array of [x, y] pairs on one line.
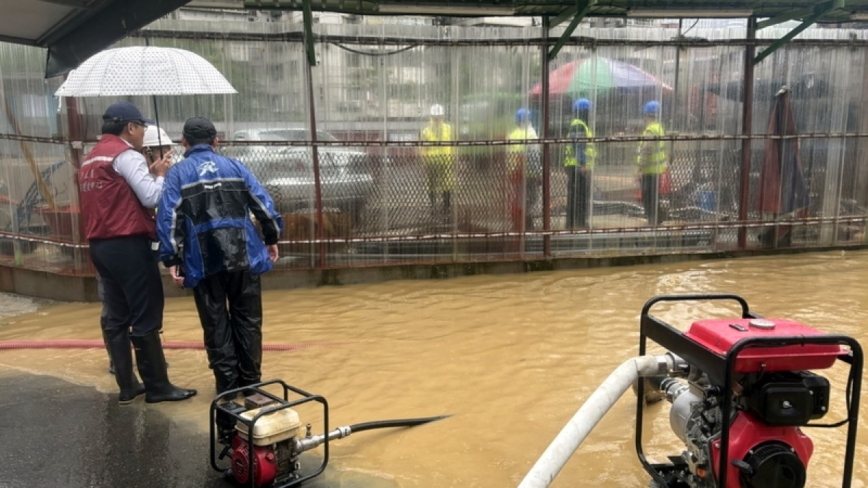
[[579, 161], [439, 160], [524, 172], [651, 160]]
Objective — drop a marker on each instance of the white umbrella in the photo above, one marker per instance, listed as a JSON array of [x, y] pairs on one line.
[[144, 70]]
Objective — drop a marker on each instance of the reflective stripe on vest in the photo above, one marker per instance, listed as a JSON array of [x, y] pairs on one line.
[[570, 159], [437, 133], [109, 206], [655, 163]]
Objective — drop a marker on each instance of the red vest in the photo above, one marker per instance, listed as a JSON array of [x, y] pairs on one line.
[[109, 206]]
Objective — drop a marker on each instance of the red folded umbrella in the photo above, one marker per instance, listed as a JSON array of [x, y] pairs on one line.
[[783, 188]]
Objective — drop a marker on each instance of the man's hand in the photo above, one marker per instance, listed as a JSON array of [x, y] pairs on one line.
[[273, 255], [161, 165], [173, 272]]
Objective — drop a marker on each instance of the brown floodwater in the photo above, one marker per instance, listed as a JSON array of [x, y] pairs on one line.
[[510, 357]]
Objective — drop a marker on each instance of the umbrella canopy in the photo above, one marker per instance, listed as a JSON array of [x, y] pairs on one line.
[[144, 70], [582, 77]]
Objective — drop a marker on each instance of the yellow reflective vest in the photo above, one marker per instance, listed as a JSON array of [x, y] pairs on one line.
[[578, 128], [518, 152], [437, 133], [652, 154]]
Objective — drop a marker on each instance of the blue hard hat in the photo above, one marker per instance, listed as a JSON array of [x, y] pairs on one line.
[[582, 104], [522, 115], [652, 108]]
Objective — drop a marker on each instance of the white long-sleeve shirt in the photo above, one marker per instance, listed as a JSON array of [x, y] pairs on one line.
[[133, 167]]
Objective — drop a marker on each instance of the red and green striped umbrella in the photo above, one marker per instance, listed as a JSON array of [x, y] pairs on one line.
[[582, 77]]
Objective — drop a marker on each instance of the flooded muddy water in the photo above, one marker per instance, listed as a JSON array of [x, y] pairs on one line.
[[510, 357]]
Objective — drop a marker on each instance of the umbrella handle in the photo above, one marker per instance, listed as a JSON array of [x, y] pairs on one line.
[[157, 120], [154, 98]]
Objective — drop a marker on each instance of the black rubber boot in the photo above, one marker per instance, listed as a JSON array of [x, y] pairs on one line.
[[248, 349], [111, 368], [161, 342], [249, 361], [152, 367], [118, 345], [225, 370]]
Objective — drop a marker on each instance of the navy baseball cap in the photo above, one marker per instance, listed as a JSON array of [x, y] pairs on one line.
[[125, 112], [199, 128]]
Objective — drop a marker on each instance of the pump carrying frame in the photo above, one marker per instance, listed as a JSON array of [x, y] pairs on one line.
[[720, 371], [282, 403]]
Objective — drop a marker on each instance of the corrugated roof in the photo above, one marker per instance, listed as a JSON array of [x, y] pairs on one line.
[[73, 30], [602, 8]]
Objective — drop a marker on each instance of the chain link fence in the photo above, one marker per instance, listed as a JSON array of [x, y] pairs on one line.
[[378, 194], [396, 204]]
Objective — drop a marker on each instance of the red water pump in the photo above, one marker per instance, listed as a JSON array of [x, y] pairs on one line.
[[258, 429], [742, 393]]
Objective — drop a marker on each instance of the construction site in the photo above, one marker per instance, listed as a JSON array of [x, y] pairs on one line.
[[365, 83]]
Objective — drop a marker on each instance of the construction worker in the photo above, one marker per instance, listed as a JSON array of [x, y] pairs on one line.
[[156, 144], [652, 161], [438, 160], [579, 160], [523, 172]]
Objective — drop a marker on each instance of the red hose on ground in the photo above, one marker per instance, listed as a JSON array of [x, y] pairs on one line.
[[95, 343]]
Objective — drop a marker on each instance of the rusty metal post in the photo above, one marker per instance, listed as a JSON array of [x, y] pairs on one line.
[[677, 98], [321, 261], [546, 154], [861, 194], [74, 134], [746, 129]]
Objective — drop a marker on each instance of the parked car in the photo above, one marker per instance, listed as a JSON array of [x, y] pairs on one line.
[[287, 171]]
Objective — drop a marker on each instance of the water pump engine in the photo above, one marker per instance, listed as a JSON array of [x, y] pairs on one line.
[[260, 434], [741, 394]]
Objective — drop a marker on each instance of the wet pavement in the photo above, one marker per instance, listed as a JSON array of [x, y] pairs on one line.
[[59, 434]]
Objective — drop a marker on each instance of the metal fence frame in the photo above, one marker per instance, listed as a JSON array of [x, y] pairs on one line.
[[458, 245]]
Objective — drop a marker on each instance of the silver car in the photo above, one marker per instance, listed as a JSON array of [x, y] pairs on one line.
[[287, 171]]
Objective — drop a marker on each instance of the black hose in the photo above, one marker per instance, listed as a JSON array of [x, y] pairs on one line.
[[383, 424], [311, 442]]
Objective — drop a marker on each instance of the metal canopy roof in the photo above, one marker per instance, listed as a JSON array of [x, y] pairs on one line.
[[73, 30], [774, 11], [840, 10]]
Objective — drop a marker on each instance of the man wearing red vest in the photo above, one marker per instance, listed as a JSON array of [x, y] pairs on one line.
[[118, 193]]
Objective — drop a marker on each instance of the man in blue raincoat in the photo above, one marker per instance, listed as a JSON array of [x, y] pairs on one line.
[[205, 229]]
